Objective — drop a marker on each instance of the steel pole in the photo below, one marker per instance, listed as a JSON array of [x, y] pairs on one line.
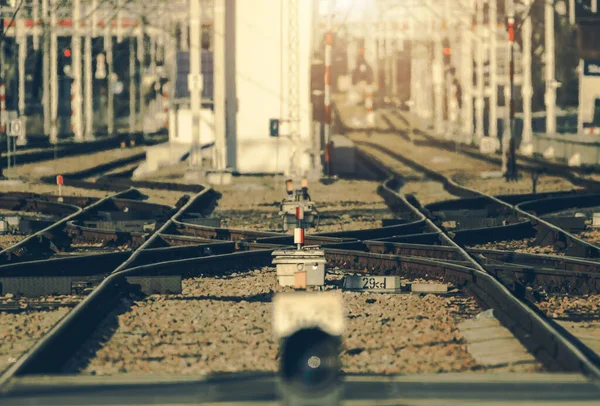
[[46, 69], [550, 96], [53, 74], [527, 88], [438, 84], [22, 41], [110, 103], [196, 76], [76, 105], [220, 84], [132, 88], [511, 172], [467, 77], [327, 90], [141, 59], [480, 101], [88, 96], [493, 32], [35, 15]]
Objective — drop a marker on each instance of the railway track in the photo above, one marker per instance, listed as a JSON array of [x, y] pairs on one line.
[[227, 271], [541, 231], [43, 152]]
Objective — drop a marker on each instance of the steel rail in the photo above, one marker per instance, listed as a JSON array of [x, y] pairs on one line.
[[50, 239], [554, 351], [531, 164], [583, 248], [549, 343], [54, 348]]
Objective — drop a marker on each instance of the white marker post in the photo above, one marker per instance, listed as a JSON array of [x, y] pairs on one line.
[[299, 231], [59, 182]]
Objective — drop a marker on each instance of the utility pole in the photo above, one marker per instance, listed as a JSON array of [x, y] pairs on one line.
[[527, 88], [294, 86], [467, 75], [396, 39], [195, 79], [154, 107], [449, 74], [230, 74], [45, 68], [219, 84], [141, 57], [22, 41], [480, 102], [132, 88], [508, 145], [120, 20], [327, 89], [89, 109], [438, 84], [110, 107], [35, 11], [53, 74], [550, 96], [76, 69], [493, 32]]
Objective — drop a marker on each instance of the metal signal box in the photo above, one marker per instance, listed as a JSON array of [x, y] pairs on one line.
[[307, 260]]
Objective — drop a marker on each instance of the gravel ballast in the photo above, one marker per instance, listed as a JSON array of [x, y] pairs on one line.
[[19, 330], [254, 202], [579, 315], [8, 240], [223, 324], [526, 245], [464, 170]]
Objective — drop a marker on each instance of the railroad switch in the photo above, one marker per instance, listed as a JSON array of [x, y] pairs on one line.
[[300, 268]]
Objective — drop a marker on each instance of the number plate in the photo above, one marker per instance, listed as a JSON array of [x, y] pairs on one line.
[[295, 311], [372, 283]]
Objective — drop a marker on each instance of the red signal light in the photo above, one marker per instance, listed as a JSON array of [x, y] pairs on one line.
[[67, 53], [447, 51]]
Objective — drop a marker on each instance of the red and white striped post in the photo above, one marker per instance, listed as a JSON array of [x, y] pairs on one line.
[[59, 182], [299, 230]]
